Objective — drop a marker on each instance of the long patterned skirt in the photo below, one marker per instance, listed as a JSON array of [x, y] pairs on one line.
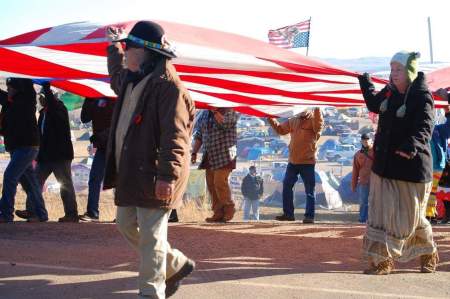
[[397, 227]]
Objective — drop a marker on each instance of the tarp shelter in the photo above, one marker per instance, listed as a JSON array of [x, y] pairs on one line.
[[345, 190], [326, 195]]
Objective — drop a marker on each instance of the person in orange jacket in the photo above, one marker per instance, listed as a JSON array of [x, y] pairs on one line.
[[362, 167], [305, 130]]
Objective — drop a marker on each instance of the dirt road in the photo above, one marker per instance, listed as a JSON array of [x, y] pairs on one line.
[[237, 260]]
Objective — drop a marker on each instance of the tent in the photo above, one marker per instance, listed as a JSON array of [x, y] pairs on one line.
[[327, 196], [345, 190]]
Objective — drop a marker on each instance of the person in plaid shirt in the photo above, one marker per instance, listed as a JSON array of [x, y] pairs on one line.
[[216, 131]]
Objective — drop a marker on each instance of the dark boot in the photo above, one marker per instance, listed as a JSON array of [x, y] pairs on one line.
[[173, 216], [174, 282], [228, 213], [217, 217], [24, 214], [285, 218]]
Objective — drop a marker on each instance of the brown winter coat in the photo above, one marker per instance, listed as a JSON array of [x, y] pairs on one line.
[[156, 145], [304, 136]]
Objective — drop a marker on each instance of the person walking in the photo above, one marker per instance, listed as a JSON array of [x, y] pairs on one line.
[[21, 136], [98, 111], [147, 157], [402, 170]]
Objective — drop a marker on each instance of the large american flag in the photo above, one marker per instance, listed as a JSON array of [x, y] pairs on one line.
[[293, 36], [220, 69]]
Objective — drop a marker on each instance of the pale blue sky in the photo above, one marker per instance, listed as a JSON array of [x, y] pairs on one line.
[[340, 29]]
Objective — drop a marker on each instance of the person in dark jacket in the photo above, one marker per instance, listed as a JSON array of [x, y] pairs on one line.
[[439, 145], [55, 152], [21, 135], [147, 159], [402, 170], [98, 111], [252, 189]]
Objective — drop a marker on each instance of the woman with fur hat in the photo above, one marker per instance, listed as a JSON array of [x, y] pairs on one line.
[[402, 170]]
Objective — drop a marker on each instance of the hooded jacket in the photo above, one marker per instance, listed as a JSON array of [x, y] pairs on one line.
[[18, 122], [54, 129], [410, 134]]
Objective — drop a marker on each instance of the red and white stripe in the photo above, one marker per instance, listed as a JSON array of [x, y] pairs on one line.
[[220, 69]]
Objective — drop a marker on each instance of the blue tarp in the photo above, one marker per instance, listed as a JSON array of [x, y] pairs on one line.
[[345, 190]]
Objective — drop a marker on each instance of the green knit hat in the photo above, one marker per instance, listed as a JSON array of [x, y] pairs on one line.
[[410, 60]]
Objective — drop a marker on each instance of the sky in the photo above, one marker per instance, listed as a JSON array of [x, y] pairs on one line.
[[339, 29]]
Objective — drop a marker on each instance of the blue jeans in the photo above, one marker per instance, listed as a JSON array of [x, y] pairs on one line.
[[363, 195], [251, 204], [20, 169], [307, 174], [95, 183]]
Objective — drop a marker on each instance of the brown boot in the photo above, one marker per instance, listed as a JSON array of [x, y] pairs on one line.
[[429, 262], [228, 213], [383, 268], [217, 217]]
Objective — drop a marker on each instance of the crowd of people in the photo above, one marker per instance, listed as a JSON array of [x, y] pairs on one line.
[[144, 151]]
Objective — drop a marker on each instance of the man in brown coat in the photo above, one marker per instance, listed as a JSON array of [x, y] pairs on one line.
[[147, 158], [305, 130]]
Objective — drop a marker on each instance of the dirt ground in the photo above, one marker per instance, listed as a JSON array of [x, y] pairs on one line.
[[235, 260]]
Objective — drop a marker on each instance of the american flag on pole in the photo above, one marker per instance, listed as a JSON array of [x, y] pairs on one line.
[[220, 69], [293, 36]]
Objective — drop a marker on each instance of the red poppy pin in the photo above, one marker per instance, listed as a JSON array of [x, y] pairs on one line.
[[138, 119]]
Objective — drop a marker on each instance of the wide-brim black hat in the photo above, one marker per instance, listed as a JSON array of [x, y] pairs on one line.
[[149, 35]]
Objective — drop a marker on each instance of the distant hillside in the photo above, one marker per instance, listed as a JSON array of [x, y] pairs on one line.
[[379, 65]]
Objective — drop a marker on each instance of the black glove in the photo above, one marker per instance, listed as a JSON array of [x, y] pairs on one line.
[[364, 77], [46, 86]]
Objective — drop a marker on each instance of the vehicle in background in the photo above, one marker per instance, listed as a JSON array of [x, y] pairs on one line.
[[249, 121], [341, 151], [277, 144], [342, 129], [353, 112], [330, 144], [354, 139], [329, 131], [249, 143]]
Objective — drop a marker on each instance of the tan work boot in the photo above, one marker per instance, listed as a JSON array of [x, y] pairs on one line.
[[228, 213], [383, 268], [429, 262]]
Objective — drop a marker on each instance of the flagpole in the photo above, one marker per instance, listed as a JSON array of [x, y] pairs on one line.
[[309, 36], [430, 40]]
